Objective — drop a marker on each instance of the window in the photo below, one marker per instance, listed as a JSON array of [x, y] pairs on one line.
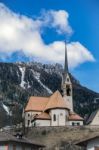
[[54, 117], [68, 90], [78, 123], [28, 122], [67, 79], [73, 123], [28, 115]]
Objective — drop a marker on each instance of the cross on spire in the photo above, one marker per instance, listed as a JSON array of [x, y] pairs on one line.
[[66, 60]]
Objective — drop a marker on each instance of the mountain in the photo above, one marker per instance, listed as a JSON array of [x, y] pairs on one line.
[[18, 81]]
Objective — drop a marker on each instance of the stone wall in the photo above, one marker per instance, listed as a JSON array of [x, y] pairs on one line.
[[55, 136]]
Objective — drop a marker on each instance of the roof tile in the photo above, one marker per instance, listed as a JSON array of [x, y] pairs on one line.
[[75, 117]]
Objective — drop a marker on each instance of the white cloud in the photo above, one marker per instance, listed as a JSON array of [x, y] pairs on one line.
[[18, 32], [58, 20]]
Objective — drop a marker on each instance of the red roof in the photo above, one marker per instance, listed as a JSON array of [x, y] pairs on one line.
[[45, 103], [75, 117], [36, 103], [43, 115], [56, 101]]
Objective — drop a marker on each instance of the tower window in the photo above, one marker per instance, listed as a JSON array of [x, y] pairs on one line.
[[68, 90], [67, 79], [54, 117]]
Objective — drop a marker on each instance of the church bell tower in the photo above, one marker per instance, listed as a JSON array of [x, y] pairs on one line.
[[66, 83]]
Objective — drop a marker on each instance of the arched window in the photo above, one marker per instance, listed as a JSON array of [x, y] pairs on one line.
[[54, 117], [28, 115], [68, 90], [28, 122]]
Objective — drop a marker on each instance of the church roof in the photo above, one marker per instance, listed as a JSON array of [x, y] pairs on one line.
[[7, 137], [43, 116], [74, 117], [36, 103], [45, 103], [56, 101]]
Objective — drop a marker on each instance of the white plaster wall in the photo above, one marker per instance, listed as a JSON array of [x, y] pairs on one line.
[[93, 143], [70, 101], [30, 117], [42, 122], [60, 117], [80, 122], [95, 120]]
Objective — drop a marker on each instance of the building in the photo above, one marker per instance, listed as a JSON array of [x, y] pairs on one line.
[[56, 110], [90, 143], [93, 118], [17, 142]]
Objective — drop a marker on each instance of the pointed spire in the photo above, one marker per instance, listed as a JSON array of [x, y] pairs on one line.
[[66, 60]]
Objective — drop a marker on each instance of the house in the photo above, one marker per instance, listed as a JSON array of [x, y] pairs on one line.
[[93, 118], [16, 142], [56, 110], [90, 143]]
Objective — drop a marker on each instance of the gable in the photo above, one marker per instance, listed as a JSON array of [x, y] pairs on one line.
[[68, 80], [91, 117], [95, 120], [56, 101]]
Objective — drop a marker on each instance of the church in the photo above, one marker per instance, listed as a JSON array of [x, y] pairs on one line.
[[56, 110]]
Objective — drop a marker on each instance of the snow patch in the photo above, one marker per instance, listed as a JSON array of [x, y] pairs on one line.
[[22, 69], [37, 76], [6, 109]]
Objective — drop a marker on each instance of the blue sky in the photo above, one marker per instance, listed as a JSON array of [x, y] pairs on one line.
[[83, 20]]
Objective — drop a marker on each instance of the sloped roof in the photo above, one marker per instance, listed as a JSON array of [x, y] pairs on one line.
[[45, 103], [8, 137], [56, 101], [74, 117], [43, 115], [84, 142], [36, 103], [91, 117]]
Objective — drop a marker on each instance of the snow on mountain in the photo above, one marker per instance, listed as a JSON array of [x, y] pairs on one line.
[[37, 77], [6, 109], [19, 81], [22, 69]]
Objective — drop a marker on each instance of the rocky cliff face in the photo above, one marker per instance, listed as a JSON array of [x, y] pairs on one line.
[[18, 81]]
